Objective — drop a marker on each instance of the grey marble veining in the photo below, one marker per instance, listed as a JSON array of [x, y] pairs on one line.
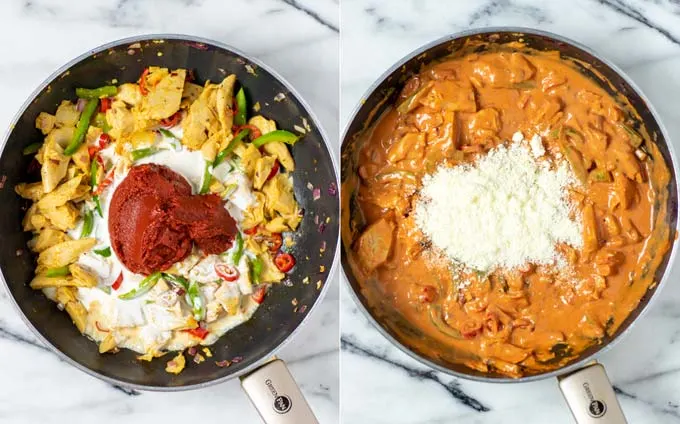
[[380, 384], [298, 38]]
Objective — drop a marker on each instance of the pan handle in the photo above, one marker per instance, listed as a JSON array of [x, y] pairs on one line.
[[591, 397], [276, 395]]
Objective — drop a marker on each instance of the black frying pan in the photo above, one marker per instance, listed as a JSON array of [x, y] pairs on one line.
[[383, 95], [276, 319]]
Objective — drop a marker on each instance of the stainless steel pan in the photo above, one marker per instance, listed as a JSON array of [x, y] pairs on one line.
[[584, 382]]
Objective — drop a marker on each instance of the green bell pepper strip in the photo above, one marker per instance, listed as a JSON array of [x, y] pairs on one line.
[[97, 93], [98, 206], [87, 225], [196, 302], [105, 252], [178, 280], [278, 135], [94, 167], [144, 287], [58, 272], [167, 133], [242, 105], [238, 253], [100, 121], [207, 178], [230, 148], [31, 148], [256, 266], [81, 129], [142, 153]]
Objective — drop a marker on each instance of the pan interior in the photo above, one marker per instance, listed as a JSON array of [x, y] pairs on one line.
[[286, 304], [384, 94]]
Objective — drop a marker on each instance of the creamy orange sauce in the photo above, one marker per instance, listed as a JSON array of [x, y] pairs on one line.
[[511, 321]]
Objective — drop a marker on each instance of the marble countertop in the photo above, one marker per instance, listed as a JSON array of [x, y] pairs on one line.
[[299, 38], [380, 384]]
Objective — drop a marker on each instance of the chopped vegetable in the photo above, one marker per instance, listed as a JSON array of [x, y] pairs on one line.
[[196, 301], [241, 108], [207, 178], [227, 272], [144, 287], [167, 133], [104, 104], [31, 148], [259, 294], [634, 137], [97, 93], [198, 332], [284, 262], [98, 206], [441, 325], [171, 121], [230, 148], [100, 121], [256, 266], [142, 82], [105, 252], [600, 175], [239, 249], [94, 168], [274, 242], [81, 129], [116, 284], [142, 153], [275, 170], [251, 231], [177, 280], [87, 224], [107, 181], [278, 135], [58, 272]]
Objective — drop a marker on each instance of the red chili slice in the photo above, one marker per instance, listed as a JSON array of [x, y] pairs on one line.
[[92, 151], [116, 284], [101, 161], [107, 182], [171, 121], [251, 231], [105, 104], [254, 131], [259, 294], [284, 262], [104, 141], [198, 332], [142, 82], [275, 241], [275, 170], [227, 272]]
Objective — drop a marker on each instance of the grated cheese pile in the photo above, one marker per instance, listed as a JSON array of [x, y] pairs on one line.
[[506, 210]]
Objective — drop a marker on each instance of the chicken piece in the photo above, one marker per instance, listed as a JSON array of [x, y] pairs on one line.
[[42, 281], [375, 244], [54, 162], [63, 217], [31, 191], [410, 147], [279, 195], [504, 70], [82, 277], [45, 122], [78, 314], [211, 145], [176, 365], [624, 190], [164, 93], [484, 126], [65, 253], [249, 155], [224, 101], [47, 238], [81, 158], [190, 93], [277, 225], [263, 124], [281, 152], [270, 273], [451, 96], [108, 344], [62, 194], [121, 120], [129, 93], [201, 121], [67, 115], [263, 167]]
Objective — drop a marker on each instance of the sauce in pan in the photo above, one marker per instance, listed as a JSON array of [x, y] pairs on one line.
[[536, 316]]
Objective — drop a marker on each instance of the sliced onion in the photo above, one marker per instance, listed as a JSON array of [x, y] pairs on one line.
[[332, 189], [80, 105], [316, 193]]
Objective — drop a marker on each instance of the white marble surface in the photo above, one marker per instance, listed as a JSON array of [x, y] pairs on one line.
[[379, 384], [300, 40]]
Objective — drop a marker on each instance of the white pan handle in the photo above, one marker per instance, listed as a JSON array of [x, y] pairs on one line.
[[591, 397], [276, 395]]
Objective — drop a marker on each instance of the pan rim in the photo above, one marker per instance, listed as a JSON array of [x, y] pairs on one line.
[[580, 363], [324, 136]]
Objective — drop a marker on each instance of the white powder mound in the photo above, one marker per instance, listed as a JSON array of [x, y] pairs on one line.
[[505, 211]]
